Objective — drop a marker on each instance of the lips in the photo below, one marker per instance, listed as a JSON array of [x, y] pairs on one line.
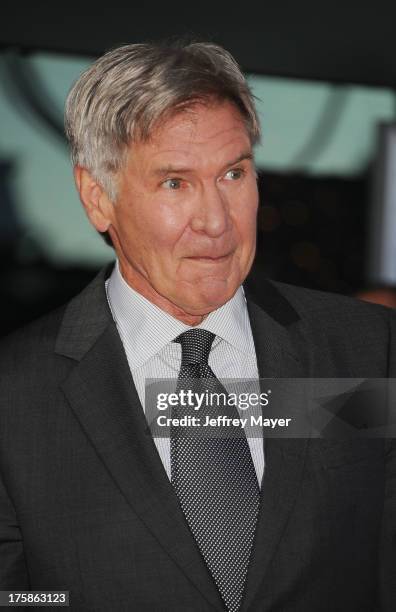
[[208, 259], [211, 256]]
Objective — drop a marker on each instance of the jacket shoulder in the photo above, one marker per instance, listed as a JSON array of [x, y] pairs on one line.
[[38, 336], [328, 328], [310, 302]]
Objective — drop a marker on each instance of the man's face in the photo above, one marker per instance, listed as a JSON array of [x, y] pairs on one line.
[[184, 223]]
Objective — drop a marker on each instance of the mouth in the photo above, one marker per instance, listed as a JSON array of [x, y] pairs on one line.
[[206, 259]]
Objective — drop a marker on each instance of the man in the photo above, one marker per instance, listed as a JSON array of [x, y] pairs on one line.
[[161, 141]]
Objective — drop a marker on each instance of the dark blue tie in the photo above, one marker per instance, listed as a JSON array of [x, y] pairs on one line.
[[214, 477]]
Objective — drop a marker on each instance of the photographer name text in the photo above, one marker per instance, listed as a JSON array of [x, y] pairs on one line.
[[221, 421]]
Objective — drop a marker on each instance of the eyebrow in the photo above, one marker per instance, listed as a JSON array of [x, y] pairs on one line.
[[170, 169]]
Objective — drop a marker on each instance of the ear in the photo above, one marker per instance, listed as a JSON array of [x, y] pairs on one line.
[[98, 207]]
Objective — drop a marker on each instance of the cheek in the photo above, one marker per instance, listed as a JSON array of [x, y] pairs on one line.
[[167, 227], [245, 222], [151, 226]]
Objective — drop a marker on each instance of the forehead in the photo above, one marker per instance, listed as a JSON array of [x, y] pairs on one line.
[[195, 132], [201, 120]]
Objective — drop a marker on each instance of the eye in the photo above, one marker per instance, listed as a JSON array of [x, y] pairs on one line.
[[172, 183], [234, 174]]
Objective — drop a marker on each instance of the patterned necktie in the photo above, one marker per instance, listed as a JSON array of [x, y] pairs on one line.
[[214, 478]]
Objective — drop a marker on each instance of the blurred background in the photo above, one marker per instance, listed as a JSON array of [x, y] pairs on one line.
[[325, 82]]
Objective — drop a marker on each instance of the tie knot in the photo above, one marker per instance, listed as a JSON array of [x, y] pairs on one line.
[[196, 345]]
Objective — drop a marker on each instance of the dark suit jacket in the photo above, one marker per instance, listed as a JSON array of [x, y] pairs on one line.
[[86, 506]]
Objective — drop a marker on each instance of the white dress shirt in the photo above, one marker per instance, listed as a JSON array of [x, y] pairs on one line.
[[147, 334]]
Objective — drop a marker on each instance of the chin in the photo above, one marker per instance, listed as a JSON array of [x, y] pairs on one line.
[[211, 296]]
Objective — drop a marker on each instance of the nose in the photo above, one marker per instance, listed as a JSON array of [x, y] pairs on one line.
[[211, 212]]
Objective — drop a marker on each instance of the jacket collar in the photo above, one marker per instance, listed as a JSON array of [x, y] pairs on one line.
[[88, 315]]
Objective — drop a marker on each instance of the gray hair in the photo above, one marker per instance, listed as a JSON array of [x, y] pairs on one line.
[[122, 96]]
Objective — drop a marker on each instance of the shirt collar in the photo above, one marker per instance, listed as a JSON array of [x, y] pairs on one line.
[[148, 328]]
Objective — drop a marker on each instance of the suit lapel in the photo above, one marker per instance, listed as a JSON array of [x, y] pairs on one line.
[[103, 397], [274, 323]]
